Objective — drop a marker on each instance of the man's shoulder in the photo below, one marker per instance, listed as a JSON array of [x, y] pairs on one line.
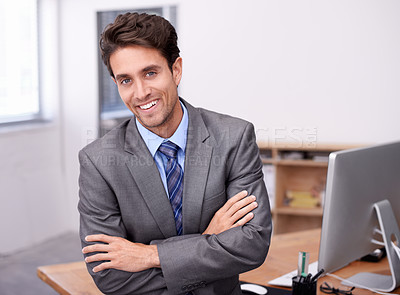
[[210, 116], [219, 123], [223, 130]]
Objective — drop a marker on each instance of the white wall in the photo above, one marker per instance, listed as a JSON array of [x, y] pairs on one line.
[[33, 201], [289, 66], [329, 65]]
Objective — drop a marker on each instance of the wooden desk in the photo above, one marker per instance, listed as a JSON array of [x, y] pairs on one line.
[[73, 278], [283, 255], [70, 278]]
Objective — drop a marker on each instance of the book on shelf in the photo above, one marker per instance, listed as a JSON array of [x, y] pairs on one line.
[[302, 199], [292, 155], [321, 158]]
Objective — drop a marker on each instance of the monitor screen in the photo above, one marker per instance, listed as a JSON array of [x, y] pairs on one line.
[[356, 180]]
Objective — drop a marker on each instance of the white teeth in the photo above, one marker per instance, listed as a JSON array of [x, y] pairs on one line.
[[149, 105]]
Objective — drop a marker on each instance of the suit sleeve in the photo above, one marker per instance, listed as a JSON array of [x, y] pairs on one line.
[[99, 214], [201, 260]]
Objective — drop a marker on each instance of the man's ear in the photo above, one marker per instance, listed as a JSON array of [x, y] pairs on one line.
[[114, 80], [177, 70]]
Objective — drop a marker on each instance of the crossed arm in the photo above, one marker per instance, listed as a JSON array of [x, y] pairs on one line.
[[119, 253]]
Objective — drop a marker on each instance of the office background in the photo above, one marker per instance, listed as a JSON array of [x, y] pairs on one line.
[[286, 65]]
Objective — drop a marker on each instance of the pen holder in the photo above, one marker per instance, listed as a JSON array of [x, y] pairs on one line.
[[303, 286]]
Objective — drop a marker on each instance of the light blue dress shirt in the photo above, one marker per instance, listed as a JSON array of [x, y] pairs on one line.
[[153, 142]]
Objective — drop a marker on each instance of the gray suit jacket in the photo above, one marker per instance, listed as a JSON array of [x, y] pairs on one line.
[[121, 194]]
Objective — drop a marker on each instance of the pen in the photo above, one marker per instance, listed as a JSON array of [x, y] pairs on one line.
[[314, 278], [302, 265]]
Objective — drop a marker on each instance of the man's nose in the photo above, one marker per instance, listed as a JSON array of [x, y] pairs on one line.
[[142, 91]]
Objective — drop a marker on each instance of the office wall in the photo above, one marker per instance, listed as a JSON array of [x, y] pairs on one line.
[[34, 205], [289, 66]]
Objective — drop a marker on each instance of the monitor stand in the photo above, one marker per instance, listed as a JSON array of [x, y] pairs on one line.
[[390, 231]]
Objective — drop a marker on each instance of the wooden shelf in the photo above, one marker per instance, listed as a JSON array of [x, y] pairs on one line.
[[298, 168], [268, 161], [304, 163], [310, 163], [305, 147], [299, 211]]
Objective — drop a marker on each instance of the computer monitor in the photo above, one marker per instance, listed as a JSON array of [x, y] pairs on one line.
[[357, 179]]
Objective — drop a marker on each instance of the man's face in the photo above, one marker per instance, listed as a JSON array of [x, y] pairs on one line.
[[148, 88]]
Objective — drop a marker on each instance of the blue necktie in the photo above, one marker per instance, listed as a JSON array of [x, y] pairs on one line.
[[174, 174]]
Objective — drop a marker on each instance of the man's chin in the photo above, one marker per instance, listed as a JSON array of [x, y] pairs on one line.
[[151, 124]]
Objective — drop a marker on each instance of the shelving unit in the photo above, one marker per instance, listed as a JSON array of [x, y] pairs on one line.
[[296, 169]]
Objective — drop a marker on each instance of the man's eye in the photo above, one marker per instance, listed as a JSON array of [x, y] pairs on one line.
[[150, 74], [125, 81]]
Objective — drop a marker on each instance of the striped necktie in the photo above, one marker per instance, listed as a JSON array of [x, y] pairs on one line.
[[174, 175]]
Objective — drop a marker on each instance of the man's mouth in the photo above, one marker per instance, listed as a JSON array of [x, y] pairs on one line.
[[149, 105]]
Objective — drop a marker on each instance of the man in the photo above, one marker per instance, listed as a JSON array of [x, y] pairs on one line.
[[168, 198]]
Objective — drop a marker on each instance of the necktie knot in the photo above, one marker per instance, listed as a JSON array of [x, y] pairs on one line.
[[169, 149]]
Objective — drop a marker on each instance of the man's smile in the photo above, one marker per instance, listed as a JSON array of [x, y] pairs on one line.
[[148, 105]]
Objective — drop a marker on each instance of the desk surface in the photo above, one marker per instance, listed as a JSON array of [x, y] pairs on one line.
[[73, 278]]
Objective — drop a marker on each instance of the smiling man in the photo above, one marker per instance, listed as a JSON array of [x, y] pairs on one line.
[[172, 201]]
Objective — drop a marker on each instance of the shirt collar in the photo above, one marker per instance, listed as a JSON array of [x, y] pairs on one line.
[[153, 141]]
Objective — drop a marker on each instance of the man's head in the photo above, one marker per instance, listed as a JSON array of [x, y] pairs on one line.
[[142, 56], [144, 30]]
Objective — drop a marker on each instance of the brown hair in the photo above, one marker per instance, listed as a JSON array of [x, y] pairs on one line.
[[145, 30]]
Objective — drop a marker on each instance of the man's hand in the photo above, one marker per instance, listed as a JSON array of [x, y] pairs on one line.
[[235, 212], [119, 253]]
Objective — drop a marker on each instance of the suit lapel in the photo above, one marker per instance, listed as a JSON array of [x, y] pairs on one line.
[[146, 175], [197, 164]]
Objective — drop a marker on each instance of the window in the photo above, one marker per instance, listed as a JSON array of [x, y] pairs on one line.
[[19, 75]]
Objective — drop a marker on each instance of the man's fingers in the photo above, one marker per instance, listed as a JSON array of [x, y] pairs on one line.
[[95, 248], [102, 266], [241, 204], [244, 210], [232, 201], [244, 220], [97, 257], [98, 247], [238, 197], [99, 238]]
